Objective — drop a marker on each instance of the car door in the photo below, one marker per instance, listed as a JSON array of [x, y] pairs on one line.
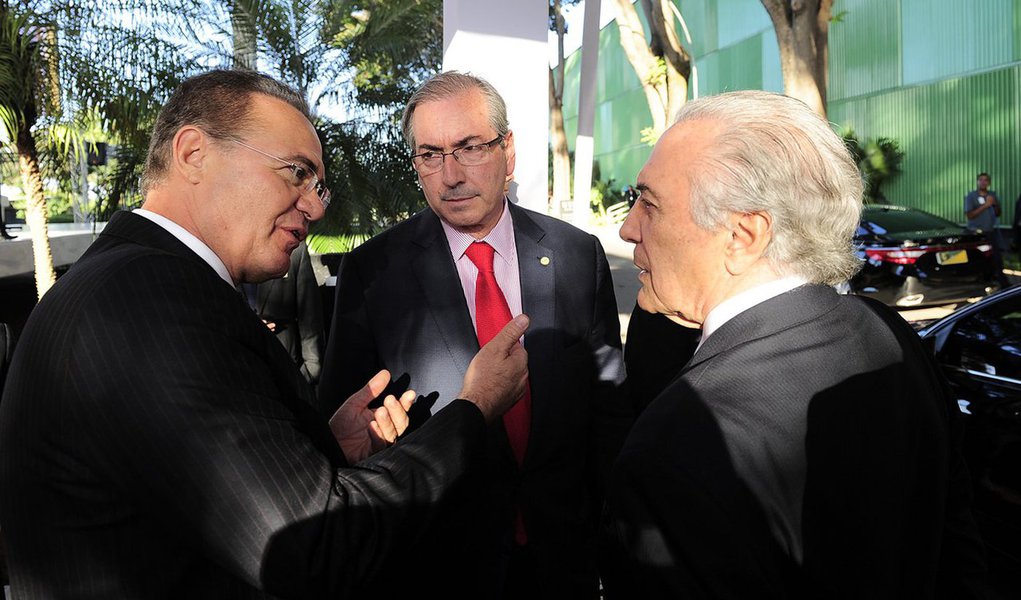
[[981, 356]]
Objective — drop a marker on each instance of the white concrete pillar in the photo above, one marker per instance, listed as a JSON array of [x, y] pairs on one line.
[[505, 43], [584, 143]]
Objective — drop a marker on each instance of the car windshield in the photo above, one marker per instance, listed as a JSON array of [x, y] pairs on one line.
[[883, 221]]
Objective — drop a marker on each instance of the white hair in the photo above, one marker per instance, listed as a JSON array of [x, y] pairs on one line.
[[773, 154]]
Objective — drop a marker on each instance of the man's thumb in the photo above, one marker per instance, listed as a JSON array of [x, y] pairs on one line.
[[512, 332], [372, 389]]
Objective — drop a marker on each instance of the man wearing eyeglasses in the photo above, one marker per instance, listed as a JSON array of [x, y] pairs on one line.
[[415, 301], [157, 441]]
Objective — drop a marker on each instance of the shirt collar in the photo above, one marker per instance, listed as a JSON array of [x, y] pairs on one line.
[[737, 304], [501, 238], [193, 243]]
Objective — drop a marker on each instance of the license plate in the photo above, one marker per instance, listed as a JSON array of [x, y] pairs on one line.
[[952, 257]]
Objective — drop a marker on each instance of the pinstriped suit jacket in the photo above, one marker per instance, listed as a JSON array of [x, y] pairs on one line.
[[156, 441]]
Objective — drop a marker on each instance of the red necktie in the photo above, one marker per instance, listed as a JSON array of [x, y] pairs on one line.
[[491, 314]]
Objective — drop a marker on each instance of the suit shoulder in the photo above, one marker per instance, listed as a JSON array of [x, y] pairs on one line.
[[137, 278], [126, 261], [560, 230]]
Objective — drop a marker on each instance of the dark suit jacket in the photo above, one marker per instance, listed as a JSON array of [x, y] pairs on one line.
[[804, 452], [655, 350], [294, 304], [156, 441], [400, 305]]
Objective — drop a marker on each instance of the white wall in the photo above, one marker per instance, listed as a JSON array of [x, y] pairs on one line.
[[505, 43]]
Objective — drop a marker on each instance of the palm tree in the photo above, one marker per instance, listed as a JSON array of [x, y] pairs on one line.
[[61, 61], [28, 80], [386, 48]]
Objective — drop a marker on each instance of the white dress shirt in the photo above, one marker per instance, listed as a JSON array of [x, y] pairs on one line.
[[505, 261], [735, 305]]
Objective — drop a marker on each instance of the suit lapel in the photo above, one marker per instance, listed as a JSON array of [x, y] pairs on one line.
[[538, 301], [782, 312], [441, 287]]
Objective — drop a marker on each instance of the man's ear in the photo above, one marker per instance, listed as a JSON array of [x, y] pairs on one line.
[[750, 234], [189, 152], [508, 149]]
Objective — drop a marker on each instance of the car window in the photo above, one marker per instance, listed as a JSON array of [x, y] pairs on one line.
[[880, 222], [988, 341]]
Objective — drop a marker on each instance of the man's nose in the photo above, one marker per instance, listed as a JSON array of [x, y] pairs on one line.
[[629, 230], [311, 206], [453, 172]]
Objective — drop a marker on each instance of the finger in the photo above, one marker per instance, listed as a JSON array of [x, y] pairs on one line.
[[373, 388], [376, 430], [398, 414], [378, 382], [408, 398], [511, 333], [384, 426]]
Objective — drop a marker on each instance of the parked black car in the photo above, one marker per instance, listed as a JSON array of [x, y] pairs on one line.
[[979, 349], [913, 258]]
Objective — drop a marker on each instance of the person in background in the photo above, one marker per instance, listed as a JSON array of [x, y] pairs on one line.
[[292, 308], [982, 208], [655, 352]]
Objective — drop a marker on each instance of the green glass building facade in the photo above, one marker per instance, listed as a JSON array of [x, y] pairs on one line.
[[941, 77]]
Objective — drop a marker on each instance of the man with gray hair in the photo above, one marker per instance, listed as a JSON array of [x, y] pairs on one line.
[[420, 298], [806, 449], [156, 440]]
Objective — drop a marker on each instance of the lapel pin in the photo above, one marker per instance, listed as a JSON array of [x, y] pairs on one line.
[[544, 261]]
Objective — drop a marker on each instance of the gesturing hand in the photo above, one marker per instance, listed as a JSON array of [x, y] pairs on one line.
[[497, 376], [361, 431]]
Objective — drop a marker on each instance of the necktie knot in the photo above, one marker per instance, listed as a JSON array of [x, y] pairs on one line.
[[481, 255]]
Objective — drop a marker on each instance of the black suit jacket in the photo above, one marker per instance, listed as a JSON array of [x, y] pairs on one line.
[[293, 303], [156, 441], [400, 305], [805, 451], [655, 350]]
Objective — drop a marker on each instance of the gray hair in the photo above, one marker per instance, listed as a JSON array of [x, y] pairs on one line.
[[219, 103], [775, 155], [454, 83]]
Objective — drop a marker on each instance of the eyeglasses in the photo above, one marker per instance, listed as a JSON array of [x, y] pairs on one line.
[[631, 196], [302, 177], [429, 162]]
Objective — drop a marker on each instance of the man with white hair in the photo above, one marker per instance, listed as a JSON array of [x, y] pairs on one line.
[[806, 449]]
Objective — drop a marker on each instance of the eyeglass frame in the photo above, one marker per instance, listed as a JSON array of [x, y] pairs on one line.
[[443, 155], [313, 183]]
